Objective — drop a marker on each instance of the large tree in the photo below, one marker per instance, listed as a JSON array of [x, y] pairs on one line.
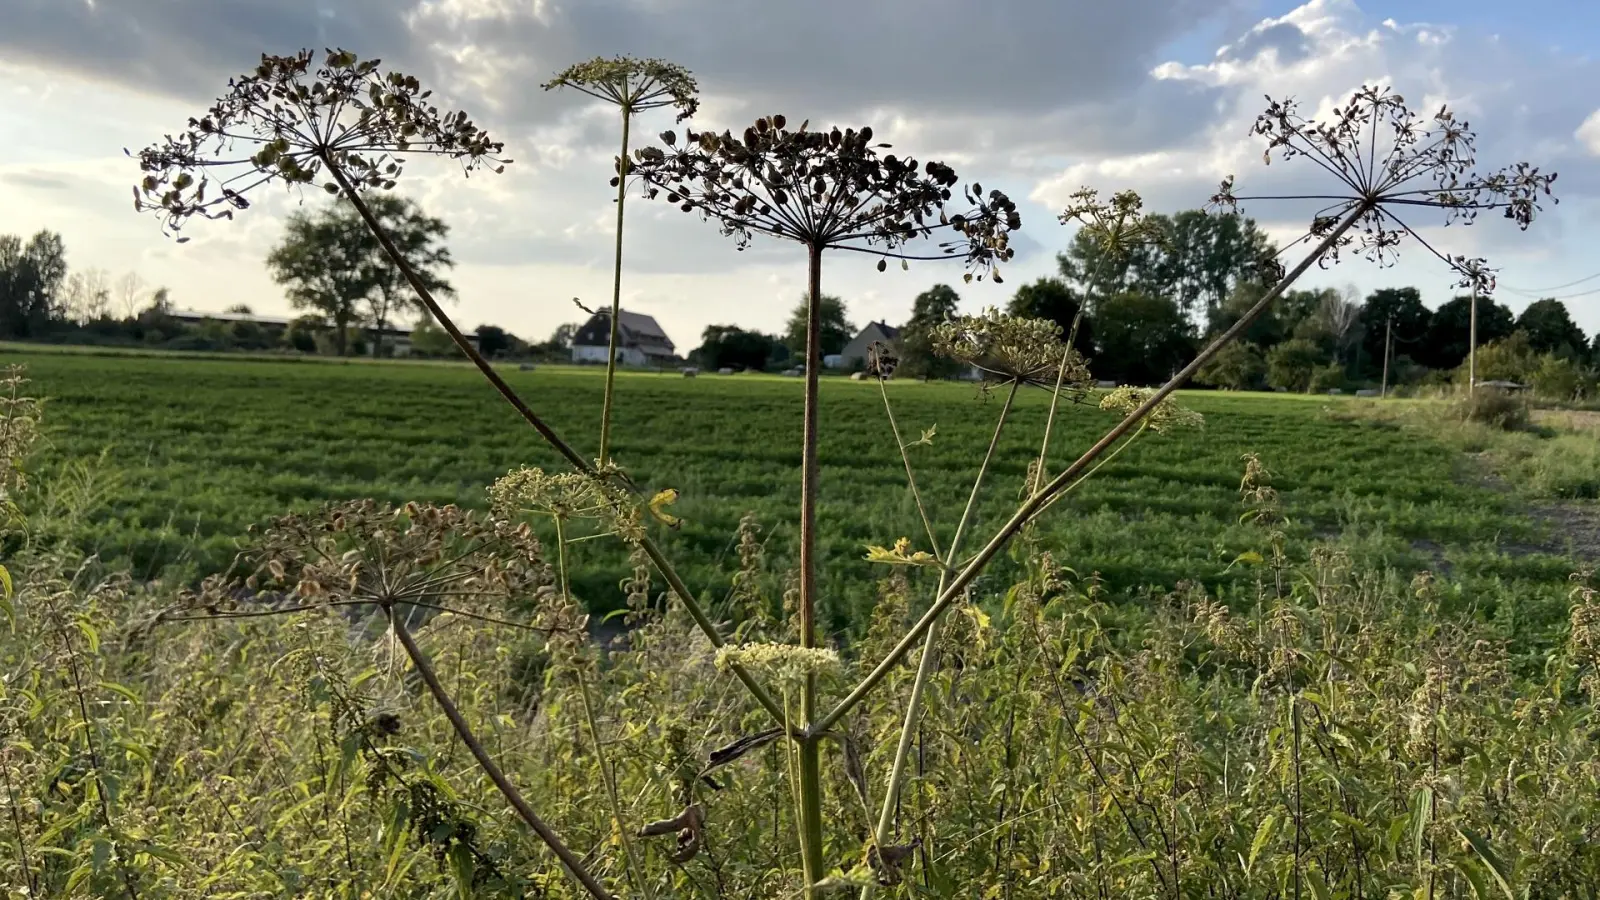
[[835, 326], [1054, 299], [1293, 364], [420, 240], [1140, 338], [1449, 330], [1551, 330], [330, 262], [1198, 263], [733, 347], [931, 307], [1400, 310], [31, 277]]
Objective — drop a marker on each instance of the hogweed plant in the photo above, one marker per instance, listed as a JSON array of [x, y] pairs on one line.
[[633, 86], [832, 190]]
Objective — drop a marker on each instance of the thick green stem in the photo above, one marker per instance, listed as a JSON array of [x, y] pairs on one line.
[[616, 295], [424, 667], [891, 796], [646, 543], [810, 750], [1041, 498]]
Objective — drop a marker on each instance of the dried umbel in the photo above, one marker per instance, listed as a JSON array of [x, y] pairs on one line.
[[1164, 417], [293, 124], [363, 552], [1386, 156], [1117, 226], [633, 84], [1013, 348], [825, 189], [882, 360]]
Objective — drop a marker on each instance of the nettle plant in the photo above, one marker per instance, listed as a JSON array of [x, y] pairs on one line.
[[824, 190]]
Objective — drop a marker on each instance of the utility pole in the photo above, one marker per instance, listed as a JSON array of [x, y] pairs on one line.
[[1388, 327], [1472, 339]]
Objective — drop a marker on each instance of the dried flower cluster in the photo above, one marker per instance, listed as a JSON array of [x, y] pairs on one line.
[[786, 663], [1116, 226], [285, 122], [1013, 348], [364, 552], [824, 189], [1388, 156], [1166, 416]]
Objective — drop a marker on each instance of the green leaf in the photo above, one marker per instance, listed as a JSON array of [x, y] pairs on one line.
[[120, 690], [1470, 871], [1264, 834], [1319, 884], [1421, 813], [1497, 866], [5, 583]]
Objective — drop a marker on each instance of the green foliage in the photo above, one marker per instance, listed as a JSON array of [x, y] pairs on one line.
[[1507, 359], [1550, 328], [1293, 364], [1447, 342], [1054, 299], [1140, 338], [732, 347], [1408, 318], [929, 309], [837, 331], [1239, 367], [1493, 407], [32, 276]]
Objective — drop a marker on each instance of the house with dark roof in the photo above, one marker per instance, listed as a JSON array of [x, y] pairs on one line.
[[641, 340], [854, 353]]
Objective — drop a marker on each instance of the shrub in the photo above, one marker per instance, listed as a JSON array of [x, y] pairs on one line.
[[1493, 407]]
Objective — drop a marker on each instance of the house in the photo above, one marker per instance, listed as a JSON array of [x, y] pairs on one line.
[[642, 341], [855, 353]]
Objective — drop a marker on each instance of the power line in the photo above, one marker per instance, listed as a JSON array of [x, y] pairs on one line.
[[1556, 288], [1531, 295]]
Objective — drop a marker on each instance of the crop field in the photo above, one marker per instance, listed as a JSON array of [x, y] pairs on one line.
[[200, 449]]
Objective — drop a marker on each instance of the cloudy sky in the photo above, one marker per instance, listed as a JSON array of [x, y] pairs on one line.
[[1036, 97]]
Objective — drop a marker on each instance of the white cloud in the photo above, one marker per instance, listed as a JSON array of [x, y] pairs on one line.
[[1036, 98]]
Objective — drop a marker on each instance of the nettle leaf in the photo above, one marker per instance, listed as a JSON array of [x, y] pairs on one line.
[[901, 554]]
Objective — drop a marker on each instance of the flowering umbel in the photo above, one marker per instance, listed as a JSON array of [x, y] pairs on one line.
[[289, 123], [1387, 156], [825, 189], [1013, 348], [633, 84]]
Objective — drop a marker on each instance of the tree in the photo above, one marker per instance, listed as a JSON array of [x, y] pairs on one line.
[[1333, 322], [419, 239], [1448, 331], [1240, 366], [1293, 364], [1507, 359], [561, 338], [733, 347], [1140, 338], [31, 277], [494, 341], [1200, 261], [836, 330], [302, 333], [428, 339], [1054, 299], [1401, 310], [1550, 328], [128, 291], [931, 307], [323, 262], [86, 295]]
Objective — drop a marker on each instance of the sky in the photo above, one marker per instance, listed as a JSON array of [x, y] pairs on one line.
[[1035, 97]]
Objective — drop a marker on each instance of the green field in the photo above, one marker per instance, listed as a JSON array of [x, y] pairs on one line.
[[203, 448]]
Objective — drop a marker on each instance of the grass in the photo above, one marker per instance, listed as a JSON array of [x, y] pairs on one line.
[[205, 448]]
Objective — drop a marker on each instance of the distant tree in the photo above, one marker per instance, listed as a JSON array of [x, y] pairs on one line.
[[494, 341], [302, 333], [835, 327], [1559, 378], [420, 240], [1447, 342], [1402, 311], [1333, 323], [324, 264], [128, 292], [429, 340], [561, 338], [1239, 367], [1201, 260], [931, 307], [1594, 351], [31, 278], [1507, 359], [733, 347], [1550, 329], [239, 309], [1054, 299], [86, 295], [1292, 364], [1139, 338], [161, 302]]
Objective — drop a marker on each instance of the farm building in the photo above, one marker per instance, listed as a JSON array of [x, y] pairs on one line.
[[643, 342], [855, 353]]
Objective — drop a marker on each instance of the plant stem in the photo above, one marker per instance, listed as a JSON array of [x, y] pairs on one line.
[[1033, 504], [424, 667], [911, 479], [810, 749], [646, 543], [891, 795], [616, 294]]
